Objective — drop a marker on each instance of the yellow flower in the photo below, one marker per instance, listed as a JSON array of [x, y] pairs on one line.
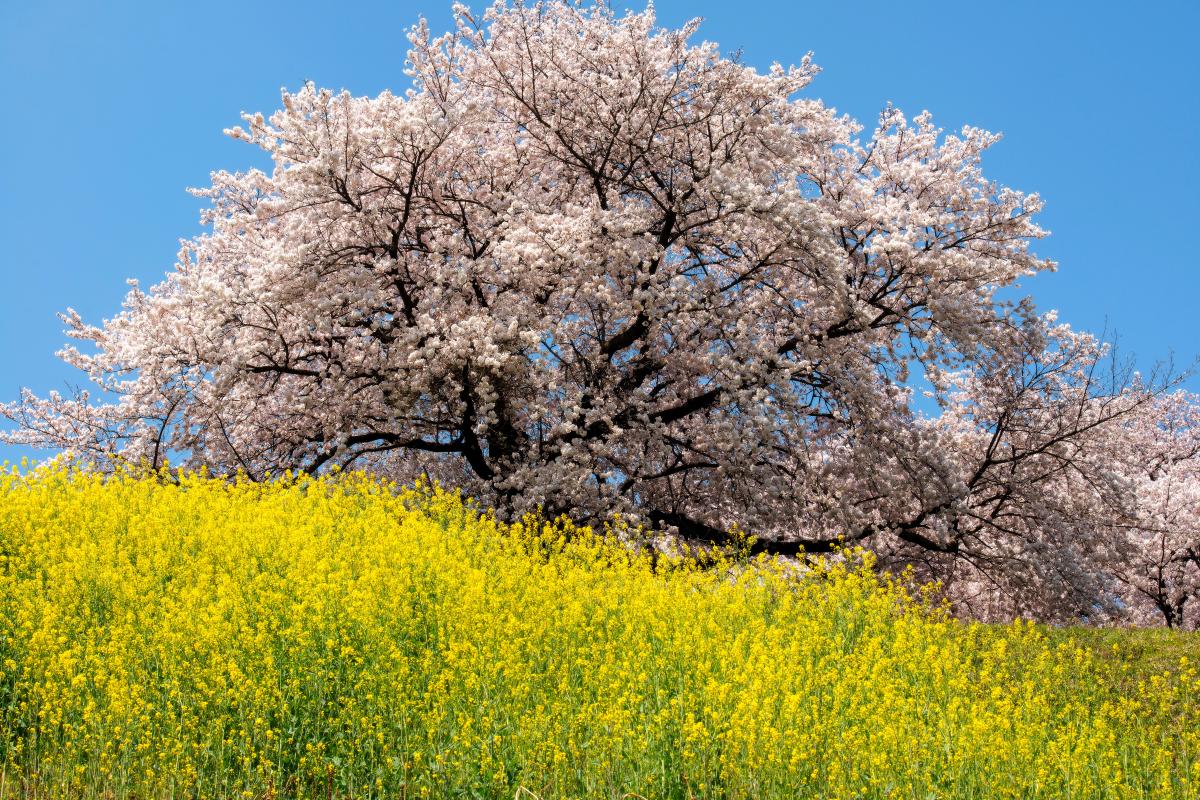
[[193, 636]]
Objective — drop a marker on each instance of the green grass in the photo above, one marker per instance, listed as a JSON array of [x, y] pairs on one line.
[[1133, 654]]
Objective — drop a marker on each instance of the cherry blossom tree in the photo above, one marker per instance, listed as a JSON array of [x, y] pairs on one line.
[[587, 265], [1159, 575]]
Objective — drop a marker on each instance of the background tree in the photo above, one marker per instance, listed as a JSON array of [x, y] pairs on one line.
[[1159, 575], [586, 265]]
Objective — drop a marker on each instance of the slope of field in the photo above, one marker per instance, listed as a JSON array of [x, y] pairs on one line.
[[335, 638]]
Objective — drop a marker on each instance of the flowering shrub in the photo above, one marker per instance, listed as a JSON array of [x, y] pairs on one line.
[[340, 637]]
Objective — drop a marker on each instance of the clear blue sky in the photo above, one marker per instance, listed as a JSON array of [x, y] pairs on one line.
[[112, 109]]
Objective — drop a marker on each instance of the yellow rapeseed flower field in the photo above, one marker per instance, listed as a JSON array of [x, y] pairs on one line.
[[341, 637]]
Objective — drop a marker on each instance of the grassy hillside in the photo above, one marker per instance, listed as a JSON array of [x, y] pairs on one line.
[[334, 639]]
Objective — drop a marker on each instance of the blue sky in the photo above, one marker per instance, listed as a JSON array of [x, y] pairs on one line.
[[113, 109]]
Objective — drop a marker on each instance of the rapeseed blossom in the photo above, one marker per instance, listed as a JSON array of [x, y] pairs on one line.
[[344, 637]]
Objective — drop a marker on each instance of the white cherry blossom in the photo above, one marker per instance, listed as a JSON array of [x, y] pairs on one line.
[[587, 264]]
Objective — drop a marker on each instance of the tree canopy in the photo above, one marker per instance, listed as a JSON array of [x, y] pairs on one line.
[[587, 265]]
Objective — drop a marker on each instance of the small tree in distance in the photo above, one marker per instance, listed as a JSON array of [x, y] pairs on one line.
[[586, 265]]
